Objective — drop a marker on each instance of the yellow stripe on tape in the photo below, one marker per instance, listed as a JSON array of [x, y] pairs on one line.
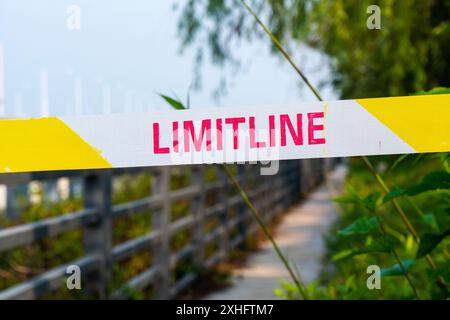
[[44, 144], [421, 121]]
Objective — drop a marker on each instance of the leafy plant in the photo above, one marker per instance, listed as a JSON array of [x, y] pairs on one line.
[[398, 269], [363, 225], [429, 242]]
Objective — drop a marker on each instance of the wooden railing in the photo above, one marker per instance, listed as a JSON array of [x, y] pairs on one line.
[[271, 194]]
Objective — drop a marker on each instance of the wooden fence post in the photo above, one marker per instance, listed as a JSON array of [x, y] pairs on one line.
[[280, 189], [50, 191], [17, 198], [243, 211], [297, 180], [223, 214], [11, 203], [198, 212], [305, 176], [258, 198], [98, 234], [161, 220], [293, 182]]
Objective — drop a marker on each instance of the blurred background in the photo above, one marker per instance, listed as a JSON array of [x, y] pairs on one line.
[[122, 56]]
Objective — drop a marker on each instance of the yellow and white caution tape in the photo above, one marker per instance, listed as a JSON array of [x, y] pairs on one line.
[[413, 124]]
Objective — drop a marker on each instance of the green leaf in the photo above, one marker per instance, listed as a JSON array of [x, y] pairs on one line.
[[397, 270], [361, 226], [437, 90], [442, 294], [433, 181], [399, 160], [394, 193], [343, 254], [371, 202], [429, 241], [348, 199], [442, 271], [444, 157], [439, 180], [430, 220], [418, 158], [385, 243], [172, 102]]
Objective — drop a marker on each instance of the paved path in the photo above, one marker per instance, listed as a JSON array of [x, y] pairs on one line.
[[300, 236]]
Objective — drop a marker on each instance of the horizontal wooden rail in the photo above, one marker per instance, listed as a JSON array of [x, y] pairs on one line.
[[46, 282], [29, 233]]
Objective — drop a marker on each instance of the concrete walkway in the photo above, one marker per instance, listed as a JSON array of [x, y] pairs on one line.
[[300, 236]]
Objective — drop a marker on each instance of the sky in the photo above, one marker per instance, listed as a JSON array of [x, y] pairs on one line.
[[124, 53]]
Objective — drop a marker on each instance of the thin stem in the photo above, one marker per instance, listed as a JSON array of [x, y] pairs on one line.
[[405, 272], [396, 256], [267, 233], [385, 188], [397, 207], [394, 252], [282, 50]]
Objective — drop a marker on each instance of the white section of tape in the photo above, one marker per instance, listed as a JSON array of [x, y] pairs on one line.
[[128, 140]]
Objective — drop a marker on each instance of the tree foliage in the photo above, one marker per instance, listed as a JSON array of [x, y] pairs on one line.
[[409, 53]]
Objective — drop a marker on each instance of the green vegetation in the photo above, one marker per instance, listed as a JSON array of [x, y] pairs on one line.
[[369, 231], [26, 262], [23, 263], [379, 236]]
